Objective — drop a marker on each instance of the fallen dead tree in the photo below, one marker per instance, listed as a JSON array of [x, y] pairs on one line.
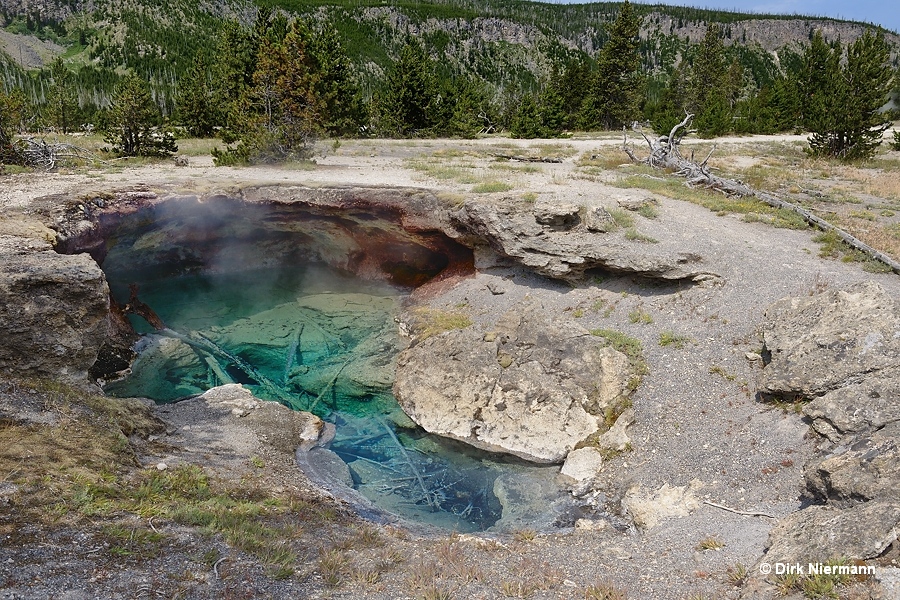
[[665, 154], [47, 156], [536, 159]]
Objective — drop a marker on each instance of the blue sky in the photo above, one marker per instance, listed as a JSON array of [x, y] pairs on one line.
[[881, 12]]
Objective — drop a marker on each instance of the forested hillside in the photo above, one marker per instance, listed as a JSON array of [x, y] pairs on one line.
[[488, 64]]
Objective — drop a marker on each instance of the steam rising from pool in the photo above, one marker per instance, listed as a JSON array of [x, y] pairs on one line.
[[309, 335]]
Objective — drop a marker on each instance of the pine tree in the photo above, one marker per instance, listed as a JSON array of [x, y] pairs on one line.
[[528, 122], [12, 107], [62, 101], [196, 103], [134, 122], [280, 111], [409, 93], [615, 89], [842, 99], [342, 109], [710, 92], [470, 111]]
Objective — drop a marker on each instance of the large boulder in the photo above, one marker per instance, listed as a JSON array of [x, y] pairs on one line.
[[54, 309], [841, 350], [820, 533], [527, 387], [868, 469], [825, 342]]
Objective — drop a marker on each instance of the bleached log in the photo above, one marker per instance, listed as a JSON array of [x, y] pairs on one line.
[[664, 153]]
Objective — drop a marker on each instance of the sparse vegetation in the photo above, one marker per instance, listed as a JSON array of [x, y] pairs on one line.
[[720, 370], [670, 338], [640, 316], [433, 321], [737, 574], [489, 187], [710, 543], [630, 347], [634, 235], [815, 586], [604, 590]]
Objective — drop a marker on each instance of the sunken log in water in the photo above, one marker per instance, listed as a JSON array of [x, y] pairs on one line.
[[299, 305]]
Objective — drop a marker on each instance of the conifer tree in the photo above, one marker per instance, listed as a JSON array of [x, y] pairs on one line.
[[615, 88], [409, 93], [196, 103], [12, 107], [342, 109], [528, 121], [470, 110], [134, 122], [710, 86], [62, 101], [841, 100]]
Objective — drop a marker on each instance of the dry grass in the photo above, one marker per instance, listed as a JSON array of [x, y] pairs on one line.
[[428, 322]]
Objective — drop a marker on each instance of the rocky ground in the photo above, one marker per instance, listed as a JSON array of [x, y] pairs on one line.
[[663, 513]]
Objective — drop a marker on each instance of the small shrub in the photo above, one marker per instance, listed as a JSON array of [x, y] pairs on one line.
[[895, 144]]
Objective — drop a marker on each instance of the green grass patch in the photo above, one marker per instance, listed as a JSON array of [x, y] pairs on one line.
[[670, 338], [621, 217], [246, 519], [428, 322], [633, 235], [832, 246], [489, 187], [630, 347], [648, 211], [640, 316]]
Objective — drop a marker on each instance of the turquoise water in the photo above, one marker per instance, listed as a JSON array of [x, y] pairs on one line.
[[313, 340]]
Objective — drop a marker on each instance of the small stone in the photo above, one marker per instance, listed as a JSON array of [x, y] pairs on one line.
[[590, 525], [582, 464], [161, 466], [495, 289], [504, 359], [753, 356], [490, 336], [239, 412]]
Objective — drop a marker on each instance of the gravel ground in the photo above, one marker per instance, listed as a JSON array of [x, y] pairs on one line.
[[698, 424]]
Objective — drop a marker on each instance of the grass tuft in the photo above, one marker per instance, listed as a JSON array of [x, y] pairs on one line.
[[670, 338], [490, 187], [428, 322]]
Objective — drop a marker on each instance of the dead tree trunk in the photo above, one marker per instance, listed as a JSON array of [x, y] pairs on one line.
[[665, 154]]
